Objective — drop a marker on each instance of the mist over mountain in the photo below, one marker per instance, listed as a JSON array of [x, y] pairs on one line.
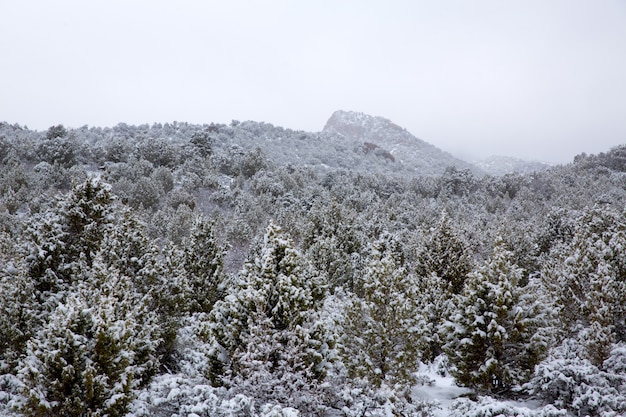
[[501, 165]]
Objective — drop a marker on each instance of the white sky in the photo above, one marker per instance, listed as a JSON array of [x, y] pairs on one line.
[[535, 79]]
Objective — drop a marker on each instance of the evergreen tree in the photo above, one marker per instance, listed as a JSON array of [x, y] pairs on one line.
[[435, 304], [588, 281], [19, 316], [383, 328], [490, 335], [163, 282], [332, 241], [203, 261], [442, 267], [67, 234], [446, 256], [126, 246], [87, 212], [97, 347], [569, 381], [268, 341]]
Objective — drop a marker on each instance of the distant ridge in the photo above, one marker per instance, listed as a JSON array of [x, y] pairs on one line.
[[415, 154], [502, 165]]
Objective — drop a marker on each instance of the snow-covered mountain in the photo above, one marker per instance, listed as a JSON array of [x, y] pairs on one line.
[[502, 165], [381, 134]]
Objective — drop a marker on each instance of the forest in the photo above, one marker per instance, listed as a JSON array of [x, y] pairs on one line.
[[250, 270]]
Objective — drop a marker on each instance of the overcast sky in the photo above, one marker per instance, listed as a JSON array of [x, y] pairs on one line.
[[542, 80]]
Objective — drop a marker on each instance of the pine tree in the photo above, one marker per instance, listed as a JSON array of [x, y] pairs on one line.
[[72, 231], [446, 256], [490, 335], [435, 305], [164, 284], [125, 246], [203, 261], [383, 328], [88, 214], [588, 281], [332, 241], [19, 317], [268, 342], [98, 345], [442, 267]]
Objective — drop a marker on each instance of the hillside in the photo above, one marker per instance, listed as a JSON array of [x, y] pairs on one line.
[[416, 155], [352, 141], [246, 269]]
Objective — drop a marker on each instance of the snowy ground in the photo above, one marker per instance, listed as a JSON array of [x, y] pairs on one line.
[[449, 399], [439, 389]]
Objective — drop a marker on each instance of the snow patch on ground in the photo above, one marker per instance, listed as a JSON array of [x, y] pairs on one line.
[[437, 387]]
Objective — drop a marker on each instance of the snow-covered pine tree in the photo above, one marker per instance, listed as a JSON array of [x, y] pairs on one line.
[[332, 242], [436, 302], [98, 345], [126, 246], [383, 329], [269, 343], [88, 215], [203, 261], [70, 232], [163, 282], [48, 262], [600, 308], [442, 267], [490, 335], [569, 381], [588, 281], [446, 256], [19, 316]]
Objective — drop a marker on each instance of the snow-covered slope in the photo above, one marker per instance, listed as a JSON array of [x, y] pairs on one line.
[[415, 154]]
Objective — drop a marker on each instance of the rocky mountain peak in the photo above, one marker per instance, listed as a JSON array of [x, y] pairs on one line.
[[372, 129], [414, 153]]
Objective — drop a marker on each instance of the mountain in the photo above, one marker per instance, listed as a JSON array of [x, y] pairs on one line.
[[502, 165], [381, 135], [349, 141]]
